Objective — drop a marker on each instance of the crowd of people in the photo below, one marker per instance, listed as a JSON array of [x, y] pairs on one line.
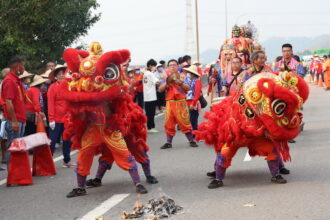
[[24, 96], [319, 71], [174, 87], [153, 87]]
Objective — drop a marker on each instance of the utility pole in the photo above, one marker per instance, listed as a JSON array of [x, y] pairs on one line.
[[226, 18], [197, 30], [190, 35]]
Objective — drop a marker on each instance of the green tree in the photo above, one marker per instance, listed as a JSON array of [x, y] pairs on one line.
[[40, 30]]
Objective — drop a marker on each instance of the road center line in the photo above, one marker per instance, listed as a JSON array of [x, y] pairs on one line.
[[104, 207], [55, 160]]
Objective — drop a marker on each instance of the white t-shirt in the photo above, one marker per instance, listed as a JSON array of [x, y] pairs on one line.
[[149, 86]]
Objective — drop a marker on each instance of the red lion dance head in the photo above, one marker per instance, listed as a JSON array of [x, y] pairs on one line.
[[267, 106], [93, 82]]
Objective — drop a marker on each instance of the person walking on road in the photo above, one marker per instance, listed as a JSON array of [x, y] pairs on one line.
[[177, 111], [149, 94]]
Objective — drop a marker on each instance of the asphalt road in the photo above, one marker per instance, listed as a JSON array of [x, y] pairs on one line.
[[181, 172]]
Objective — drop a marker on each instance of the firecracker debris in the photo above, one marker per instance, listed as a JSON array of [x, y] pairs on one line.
[[161, 208]]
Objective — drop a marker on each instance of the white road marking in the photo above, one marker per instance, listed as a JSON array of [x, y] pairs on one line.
[[104, 207], [247, 157], [61, 157], [3, 182], [55, 160]]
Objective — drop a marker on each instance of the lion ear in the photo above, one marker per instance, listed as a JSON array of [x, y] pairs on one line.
[[83, 53], [116, 57], [266, 86], [73, 58], [125, 54], [303, 88]]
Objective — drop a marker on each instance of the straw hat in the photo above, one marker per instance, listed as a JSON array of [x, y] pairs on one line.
[[58, 68], [46, 74], [130, 69], [25, 74], [192, 69], [196, 63], [37, 80]]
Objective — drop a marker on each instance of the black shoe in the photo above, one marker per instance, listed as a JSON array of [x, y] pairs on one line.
[[211, 174], [193, 144], [291, 141], [152, 180], [166, 146], [278, 179], [76, 192], [215, 184], [93, 183], [141, 189], [284, 171]]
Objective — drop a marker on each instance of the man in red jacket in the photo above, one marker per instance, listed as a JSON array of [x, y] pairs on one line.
[[56, 114], [13, 97]]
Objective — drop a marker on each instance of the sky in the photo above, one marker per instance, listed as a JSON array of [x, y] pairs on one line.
[[157, 28]]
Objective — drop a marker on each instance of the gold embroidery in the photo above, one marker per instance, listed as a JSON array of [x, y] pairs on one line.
[[116, 141]]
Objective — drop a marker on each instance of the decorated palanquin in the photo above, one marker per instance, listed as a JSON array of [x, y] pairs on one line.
[[262, 116], [238, 40]]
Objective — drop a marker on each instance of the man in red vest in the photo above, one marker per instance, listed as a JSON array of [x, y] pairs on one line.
[[13, 97]]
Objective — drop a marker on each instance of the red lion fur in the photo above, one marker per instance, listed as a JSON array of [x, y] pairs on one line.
[[73, 58], [227, 123]]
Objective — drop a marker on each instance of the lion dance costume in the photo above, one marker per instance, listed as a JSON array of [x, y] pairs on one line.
[[102, 118], [262, 116]]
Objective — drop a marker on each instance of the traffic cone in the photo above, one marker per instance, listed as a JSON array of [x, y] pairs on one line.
[[327, 79], [320, 83], [43, 164], [315, 80], [19, 171], [309, 78]]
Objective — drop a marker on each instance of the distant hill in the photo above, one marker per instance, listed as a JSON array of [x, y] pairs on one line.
[[273, 46], [300, 44]]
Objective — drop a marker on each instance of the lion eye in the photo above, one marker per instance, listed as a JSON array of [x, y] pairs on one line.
[[111, 72], [278, 107]]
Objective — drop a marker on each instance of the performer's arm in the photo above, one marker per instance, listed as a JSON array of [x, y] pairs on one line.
[[162, 88], [182, 85]]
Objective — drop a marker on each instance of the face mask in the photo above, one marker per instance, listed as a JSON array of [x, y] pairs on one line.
[[138, 72], [189, 75]]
